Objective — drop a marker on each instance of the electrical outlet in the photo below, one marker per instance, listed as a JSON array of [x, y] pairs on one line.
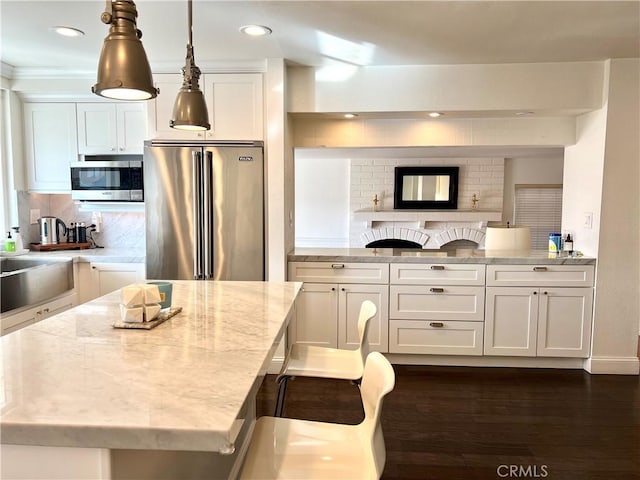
[[34, 215], [587, 220]]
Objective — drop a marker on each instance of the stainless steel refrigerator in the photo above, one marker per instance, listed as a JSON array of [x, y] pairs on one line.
[[204, 210]]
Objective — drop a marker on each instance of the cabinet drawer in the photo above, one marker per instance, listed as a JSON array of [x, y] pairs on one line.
[[440, 274], [540, 275], [338, 272], [446, 337], [436, 303]]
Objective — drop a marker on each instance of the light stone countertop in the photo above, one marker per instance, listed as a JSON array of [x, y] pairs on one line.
[[74, 380], [461, 255], [105, 255]]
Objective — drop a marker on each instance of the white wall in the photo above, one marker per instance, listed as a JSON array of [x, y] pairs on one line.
[[617, 300], [321, 131], [575, 86], [322, 200], [582, 181], [540, 170]]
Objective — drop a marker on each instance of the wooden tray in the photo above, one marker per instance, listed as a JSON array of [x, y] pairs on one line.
[[161, 318], [60, 246]]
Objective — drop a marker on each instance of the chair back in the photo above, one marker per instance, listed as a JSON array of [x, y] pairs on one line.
[[368, 310], [377, 381]]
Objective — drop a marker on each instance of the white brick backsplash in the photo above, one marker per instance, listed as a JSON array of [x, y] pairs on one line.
[[481, 176]]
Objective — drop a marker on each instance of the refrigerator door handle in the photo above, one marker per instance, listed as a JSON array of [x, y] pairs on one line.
[[207, 210], [196, 160]]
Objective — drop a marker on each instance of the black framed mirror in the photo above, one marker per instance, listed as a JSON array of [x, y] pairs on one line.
[[426, 188]]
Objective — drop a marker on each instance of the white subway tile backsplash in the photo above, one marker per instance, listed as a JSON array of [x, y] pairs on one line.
[[481, 176]]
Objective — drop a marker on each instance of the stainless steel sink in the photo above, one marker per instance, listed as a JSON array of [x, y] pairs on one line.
[[29, 281]]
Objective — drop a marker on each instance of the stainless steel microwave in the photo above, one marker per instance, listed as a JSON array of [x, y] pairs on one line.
[[113, 180]]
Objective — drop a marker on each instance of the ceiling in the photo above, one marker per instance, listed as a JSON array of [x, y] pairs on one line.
[[321, 33]]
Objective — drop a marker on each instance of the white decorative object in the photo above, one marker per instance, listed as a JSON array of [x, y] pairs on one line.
[[139, 303], [151, 293], [508, 238], [132, 295], [131, 314], [151, 311]]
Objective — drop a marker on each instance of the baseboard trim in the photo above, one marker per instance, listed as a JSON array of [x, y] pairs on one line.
[[275, 366], [613, 365], [482, 361]]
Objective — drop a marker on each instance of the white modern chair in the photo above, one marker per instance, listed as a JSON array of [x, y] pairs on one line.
[[324, 362], [288, 448]]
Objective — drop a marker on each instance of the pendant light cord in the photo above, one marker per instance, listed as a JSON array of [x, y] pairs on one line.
[[190, 20]]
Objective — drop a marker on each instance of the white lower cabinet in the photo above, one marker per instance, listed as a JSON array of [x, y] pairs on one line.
[[327, 312], [316, 318], [108, 277], [350, 298], [446, 309], [11, 323], [96, 279], [436, 309], [327, 316], [538, 321], [435, 337]]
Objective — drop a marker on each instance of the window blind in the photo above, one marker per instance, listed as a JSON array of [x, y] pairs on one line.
[[540, 208]]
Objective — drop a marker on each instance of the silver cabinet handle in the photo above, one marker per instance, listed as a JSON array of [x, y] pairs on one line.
[[436, 324], [337, 265], [437, 267], [539, 269], [436, 290]]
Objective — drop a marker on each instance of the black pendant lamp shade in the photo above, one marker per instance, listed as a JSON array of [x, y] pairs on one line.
[[190, 109], [123, 70]]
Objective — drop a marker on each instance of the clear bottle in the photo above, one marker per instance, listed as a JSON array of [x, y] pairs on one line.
[[18, 239]]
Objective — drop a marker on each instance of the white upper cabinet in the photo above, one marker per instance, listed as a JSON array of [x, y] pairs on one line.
[[234, 102], [50, 145], [235, 106], [111, 128]]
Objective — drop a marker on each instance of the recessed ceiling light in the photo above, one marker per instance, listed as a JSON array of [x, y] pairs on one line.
[[350, 115], [435, 114], [67, 31], [255, 30]]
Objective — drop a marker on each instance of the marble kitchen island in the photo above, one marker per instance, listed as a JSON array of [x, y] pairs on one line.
[[81, 399]]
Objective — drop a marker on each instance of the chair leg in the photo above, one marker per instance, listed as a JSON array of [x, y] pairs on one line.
[[282, 390]]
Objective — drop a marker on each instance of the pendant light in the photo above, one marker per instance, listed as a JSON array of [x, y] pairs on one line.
[[190, 110], [123, 70]]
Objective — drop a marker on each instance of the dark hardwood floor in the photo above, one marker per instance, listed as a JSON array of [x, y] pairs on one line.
[[449, 423]]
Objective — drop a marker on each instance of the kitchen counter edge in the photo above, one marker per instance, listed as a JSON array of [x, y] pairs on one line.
[[99, 255], [392, 255]]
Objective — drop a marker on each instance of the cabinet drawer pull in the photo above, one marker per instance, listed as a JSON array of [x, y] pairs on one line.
[[436, 290], [539, 269], [437, 267], [436, 324], [337, 265]]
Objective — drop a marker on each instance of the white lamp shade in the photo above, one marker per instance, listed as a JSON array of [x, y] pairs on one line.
[[507, 238]]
